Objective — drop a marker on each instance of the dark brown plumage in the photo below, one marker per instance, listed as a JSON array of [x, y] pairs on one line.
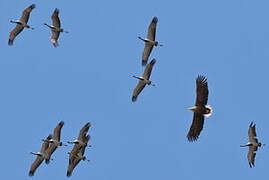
[[200, 109], [21, 24]]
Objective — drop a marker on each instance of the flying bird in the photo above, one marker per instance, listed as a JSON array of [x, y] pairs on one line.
[[77, 154], [55, 27], [252, 144], [21, 24], [83, 131], [40, 156], [143, 80], [201, 109], [149, 41], [54, 142]]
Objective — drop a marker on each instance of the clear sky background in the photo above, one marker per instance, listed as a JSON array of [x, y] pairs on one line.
[[88, 79]]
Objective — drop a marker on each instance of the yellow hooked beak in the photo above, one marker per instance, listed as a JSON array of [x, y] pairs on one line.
[[192, 108]]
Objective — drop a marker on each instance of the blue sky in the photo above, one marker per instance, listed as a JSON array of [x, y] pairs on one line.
[[88, 78]]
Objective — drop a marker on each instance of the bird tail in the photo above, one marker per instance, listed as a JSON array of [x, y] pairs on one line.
[[54, 42], [210, 111]]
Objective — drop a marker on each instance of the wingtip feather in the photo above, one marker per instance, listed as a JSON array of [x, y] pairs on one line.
[[68, 174], [192, 138], [31, 173], [155, 19], [201, 78], [57, 11], [10, 42], [134, 98], [33, 6]]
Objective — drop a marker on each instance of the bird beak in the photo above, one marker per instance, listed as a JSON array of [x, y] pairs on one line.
[[192, 108]]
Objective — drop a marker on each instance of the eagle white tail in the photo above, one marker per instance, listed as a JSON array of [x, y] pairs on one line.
[[211, 111]]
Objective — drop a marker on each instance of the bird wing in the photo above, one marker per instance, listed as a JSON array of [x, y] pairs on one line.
[[251, 155], [26, 13], [85, 140], [78, 148], [148, 69], [57, 131], [49, 151], [252, 132], [74, 150], [83, 131], [146, 53], [196, 127], [73, 159], [73, 153], [139, 87], [201, 91], [12, 35], [72, 165], [45, 144], [39, 159], [152, 29], [55, 18], [35, 165], [54, 37]]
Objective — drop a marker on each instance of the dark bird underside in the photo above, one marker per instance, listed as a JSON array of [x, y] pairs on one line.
[[201, 101]]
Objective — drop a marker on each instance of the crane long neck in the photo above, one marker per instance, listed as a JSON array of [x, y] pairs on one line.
[[140, 78], [141, 38], [244, 145], [16, 22], [47, 25], [35, 153]]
